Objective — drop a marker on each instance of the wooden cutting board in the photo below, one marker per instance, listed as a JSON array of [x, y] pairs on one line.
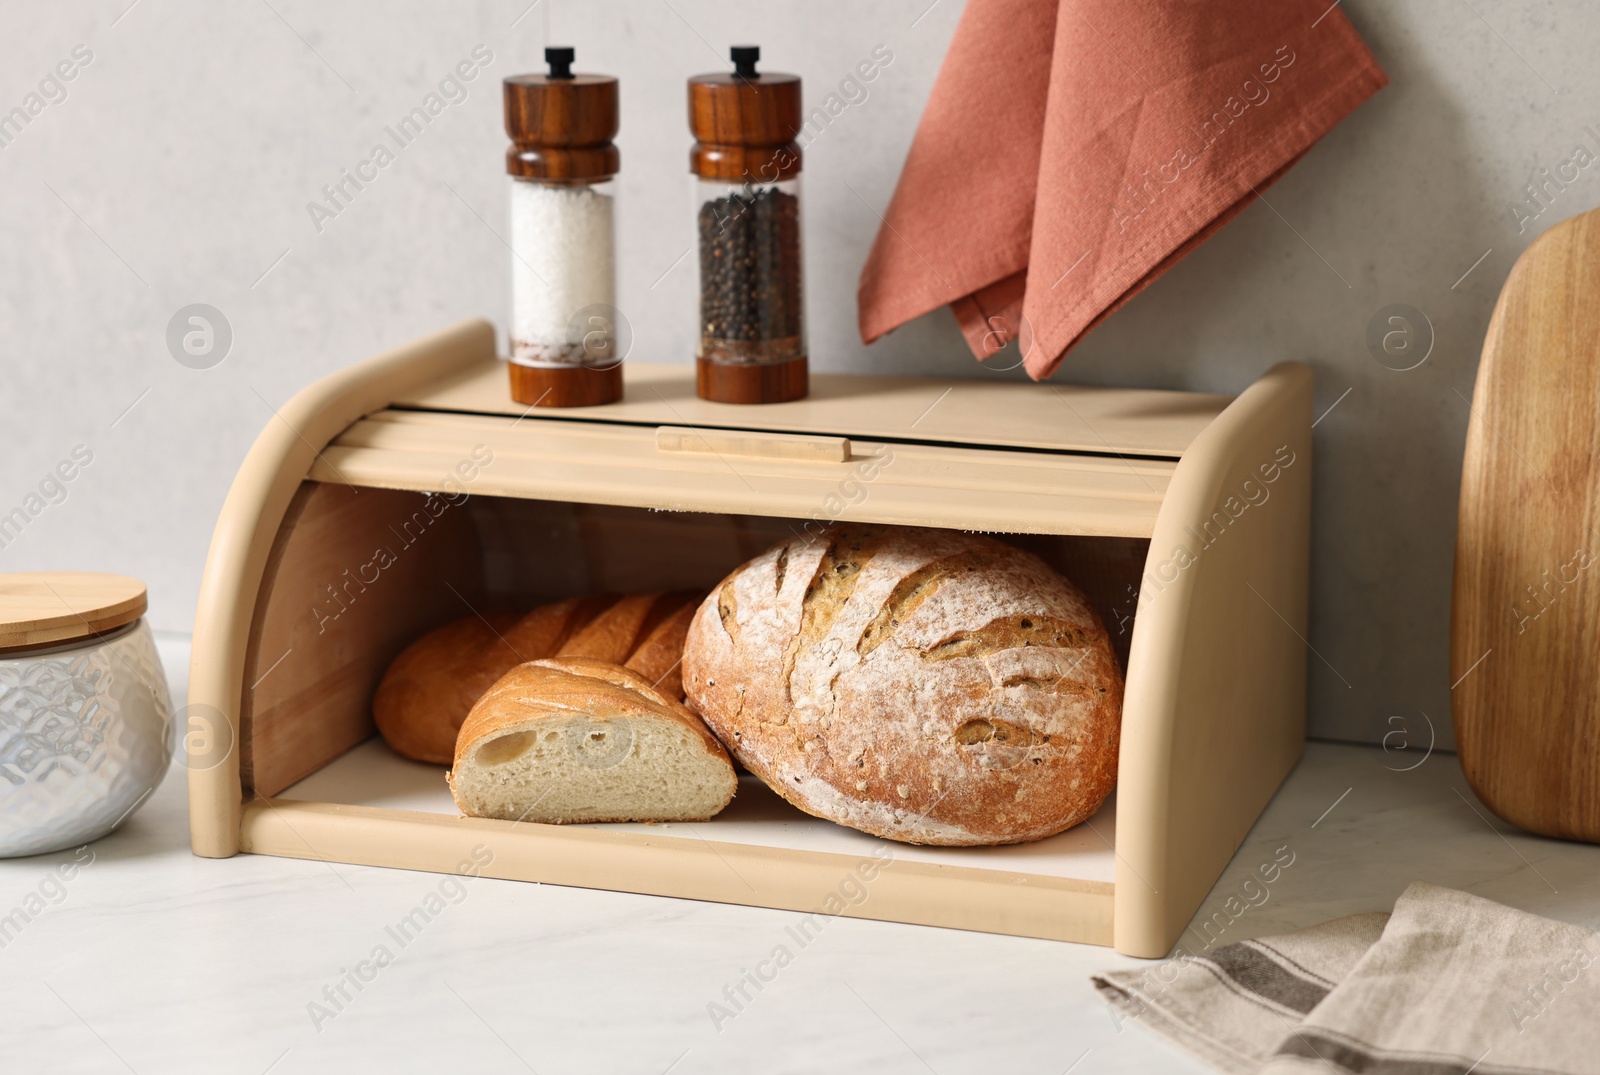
[[1525, 630]]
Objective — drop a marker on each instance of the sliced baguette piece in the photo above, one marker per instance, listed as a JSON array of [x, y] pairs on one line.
[[659, 657], [428, 690], [574, 739]]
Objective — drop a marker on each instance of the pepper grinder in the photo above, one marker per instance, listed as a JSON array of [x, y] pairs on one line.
[[751, 333], [566, 348]]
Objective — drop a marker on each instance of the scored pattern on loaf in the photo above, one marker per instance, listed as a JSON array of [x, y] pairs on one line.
[[913, 590], [1000, 634], [834, 583], [781, 568], [728, 609], [828, 592]]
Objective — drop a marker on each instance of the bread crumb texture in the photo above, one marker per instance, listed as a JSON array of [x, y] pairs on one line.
[[928, 686], [569, 740]]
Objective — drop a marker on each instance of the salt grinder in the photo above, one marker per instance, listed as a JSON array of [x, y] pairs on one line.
[[567, 337]]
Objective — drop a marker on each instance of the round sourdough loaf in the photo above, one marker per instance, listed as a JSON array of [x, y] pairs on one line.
[[928, 686]]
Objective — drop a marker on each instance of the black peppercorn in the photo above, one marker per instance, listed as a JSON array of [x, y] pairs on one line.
[[750, 277]]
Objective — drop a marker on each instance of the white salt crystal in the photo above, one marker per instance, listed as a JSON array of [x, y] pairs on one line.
[[563, 259]]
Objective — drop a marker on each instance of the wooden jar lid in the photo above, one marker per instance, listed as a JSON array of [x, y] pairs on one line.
[[561, 124], [745, 122], [40, 608]]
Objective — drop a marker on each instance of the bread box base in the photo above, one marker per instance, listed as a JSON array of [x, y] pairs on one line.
[[760, 851], [409, 490]]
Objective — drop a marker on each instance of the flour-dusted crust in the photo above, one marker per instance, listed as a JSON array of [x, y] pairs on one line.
[[929, 686]]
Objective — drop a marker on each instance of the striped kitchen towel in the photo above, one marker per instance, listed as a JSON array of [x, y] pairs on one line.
[[1449, 984]]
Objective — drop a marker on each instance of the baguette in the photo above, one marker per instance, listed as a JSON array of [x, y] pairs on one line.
[[428, 690], [659, 658], [611, 635]]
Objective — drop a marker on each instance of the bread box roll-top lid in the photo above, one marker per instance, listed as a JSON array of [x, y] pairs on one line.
[[561, 124], [53, 608], [745, 121]]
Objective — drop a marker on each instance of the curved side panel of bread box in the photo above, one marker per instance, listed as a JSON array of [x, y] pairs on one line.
[[242, 546], [1214, 714]]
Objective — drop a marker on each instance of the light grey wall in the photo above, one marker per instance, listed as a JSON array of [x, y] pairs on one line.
[[178, 169]]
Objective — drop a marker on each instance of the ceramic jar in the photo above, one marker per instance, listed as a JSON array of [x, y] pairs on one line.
[[85, 716]]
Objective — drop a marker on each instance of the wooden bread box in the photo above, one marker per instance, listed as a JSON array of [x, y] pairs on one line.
[[409, 490]]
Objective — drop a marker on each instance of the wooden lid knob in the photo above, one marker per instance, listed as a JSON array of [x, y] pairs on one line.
[[745, 107], [561, 124], [40, 608], [745, 121]]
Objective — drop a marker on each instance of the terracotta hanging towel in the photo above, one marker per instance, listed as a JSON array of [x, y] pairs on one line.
[[1073, 150]]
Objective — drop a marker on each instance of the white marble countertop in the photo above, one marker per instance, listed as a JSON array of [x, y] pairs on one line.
[[150, 960]]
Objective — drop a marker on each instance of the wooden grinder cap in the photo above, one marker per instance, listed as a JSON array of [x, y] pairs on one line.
[[745, 122], [40, 608], [561, 124]]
